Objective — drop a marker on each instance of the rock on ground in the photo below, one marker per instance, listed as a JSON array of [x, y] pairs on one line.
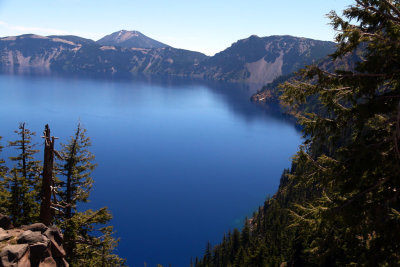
[[33, 245]]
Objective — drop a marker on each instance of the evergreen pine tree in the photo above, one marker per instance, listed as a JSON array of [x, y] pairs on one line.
[[3, 168], [235, 243], [208, 255], [245, 235], [86, 243], [352, 147], [4, 193], [76, 167], [24, 180]]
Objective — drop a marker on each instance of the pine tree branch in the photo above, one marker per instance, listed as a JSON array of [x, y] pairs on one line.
[[392, 7], [314, 162], [372, 75], [58, 155], [377, 11], [59, 205], [360, 194], [337, 89]]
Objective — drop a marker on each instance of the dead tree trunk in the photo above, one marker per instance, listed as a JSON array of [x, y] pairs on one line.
[[46, 211]]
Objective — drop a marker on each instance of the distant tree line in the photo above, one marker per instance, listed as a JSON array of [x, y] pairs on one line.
[[339, 204], [51, 190]]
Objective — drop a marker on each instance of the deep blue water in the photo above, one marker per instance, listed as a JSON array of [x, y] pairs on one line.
[[179, 162]]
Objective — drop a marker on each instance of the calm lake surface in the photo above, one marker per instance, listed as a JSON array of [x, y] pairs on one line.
[[179, 162]]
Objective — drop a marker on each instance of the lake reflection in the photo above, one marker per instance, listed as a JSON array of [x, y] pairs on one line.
[[180, 162]]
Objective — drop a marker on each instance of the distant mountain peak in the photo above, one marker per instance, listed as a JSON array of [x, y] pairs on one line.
[[124, 35], [130, 39]]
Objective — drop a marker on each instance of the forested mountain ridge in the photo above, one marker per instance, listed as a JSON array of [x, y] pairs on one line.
[[253, 60]]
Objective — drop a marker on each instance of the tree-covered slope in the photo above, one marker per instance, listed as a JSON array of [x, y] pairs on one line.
[[339, 205]]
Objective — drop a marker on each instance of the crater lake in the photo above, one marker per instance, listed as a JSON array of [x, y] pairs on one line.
[[179, 162]]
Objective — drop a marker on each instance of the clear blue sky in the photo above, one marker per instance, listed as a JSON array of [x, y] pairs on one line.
[[208, 26]]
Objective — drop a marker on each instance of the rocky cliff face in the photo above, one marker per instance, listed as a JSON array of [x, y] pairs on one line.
[[253, 60], [270, 92], [30, 245], [33, 50], [261, 60]]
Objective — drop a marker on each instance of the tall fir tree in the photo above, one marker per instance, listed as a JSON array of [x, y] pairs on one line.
[[86, 242], [3, 168], [24, 179], [4, 193], [76, 168], [352, 141]]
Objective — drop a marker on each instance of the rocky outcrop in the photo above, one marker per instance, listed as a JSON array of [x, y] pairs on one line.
[[30, 245]]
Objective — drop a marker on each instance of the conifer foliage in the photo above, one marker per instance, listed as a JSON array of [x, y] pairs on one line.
[[76, 168], [352, 151], [88, 239], [4, 194], [23, 178], [339, 204], [86, 244]]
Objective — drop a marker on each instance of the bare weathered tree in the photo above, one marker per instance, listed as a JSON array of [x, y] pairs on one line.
[[46, 211]]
